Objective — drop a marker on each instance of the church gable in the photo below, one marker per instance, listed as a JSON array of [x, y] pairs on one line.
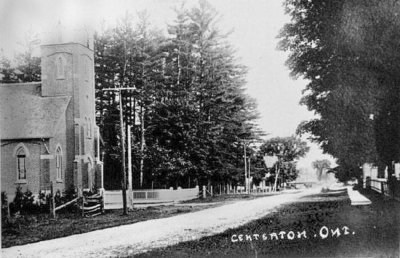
[[25, 115]]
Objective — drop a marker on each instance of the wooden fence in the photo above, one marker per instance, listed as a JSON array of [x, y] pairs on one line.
[[113, 199], [239, 190], [382, 186]]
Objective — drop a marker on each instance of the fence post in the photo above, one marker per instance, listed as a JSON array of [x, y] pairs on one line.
[[102, 201], [382, 189], [368, 183], [53, 204], [204, 192], [83, 205], [211, 190]]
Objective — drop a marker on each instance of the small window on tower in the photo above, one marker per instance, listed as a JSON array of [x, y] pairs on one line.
[[87, 127], [90, 128], [60, 66], [59, 164], [86, 68]]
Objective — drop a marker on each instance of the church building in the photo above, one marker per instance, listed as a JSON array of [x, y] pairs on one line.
[[47, 129]]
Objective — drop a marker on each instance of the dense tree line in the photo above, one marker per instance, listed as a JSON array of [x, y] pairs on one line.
[[185, 104], [348, 51], [24, 68], [183, 100]]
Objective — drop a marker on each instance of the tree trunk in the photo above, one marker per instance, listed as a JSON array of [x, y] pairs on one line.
[[142, 144], [276, 176], [179, 66]]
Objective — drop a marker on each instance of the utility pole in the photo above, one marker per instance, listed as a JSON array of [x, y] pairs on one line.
[[245, 166], [249, 175], [276, 175], [130, 193], [278, 165], [121, 123]]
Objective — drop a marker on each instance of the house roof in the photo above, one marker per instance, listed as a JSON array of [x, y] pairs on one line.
[[25, 114]]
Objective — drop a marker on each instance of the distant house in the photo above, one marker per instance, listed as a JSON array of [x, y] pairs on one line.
[[386, 184], [47, 129]]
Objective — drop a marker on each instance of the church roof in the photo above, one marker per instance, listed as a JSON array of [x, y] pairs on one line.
[[25, 114]]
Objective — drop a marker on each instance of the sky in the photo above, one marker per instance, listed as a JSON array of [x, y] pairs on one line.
[[255, 26]]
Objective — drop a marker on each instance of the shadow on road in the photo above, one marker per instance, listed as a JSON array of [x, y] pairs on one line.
[[320, 225]]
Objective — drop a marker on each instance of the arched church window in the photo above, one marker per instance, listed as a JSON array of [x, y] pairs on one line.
[[21, 167], [90, 128], [87, 126], [21, 153], [87, 69], [60, 66], [59, 163]]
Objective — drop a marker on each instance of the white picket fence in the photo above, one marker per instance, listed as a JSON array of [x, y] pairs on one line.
[[376, 184], [379, 185], [113, 199]]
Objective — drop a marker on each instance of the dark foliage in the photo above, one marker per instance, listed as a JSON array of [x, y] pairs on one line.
[[186, 106], [288, 150], [348, 51]]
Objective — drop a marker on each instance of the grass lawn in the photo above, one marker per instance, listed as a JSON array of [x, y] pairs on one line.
[[36, 228], [371, 231]]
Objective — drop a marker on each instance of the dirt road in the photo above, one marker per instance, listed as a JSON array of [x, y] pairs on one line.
[[143, 236]]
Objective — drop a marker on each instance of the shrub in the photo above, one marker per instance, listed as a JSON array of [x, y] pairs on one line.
[[68, 195], [25, 203], [28, 203], [58, 199], [4, 206], [44, 202], [16, 205]]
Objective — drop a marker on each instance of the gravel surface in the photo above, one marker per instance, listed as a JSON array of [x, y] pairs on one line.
[[144, 236], [372, 231]]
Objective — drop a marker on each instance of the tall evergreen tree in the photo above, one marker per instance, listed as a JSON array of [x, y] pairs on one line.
[[188, 108]]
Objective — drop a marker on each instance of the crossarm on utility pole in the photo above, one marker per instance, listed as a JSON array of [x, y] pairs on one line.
[[119, 89]]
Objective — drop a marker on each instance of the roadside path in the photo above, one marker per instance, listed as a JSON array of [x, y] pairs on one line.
[[143, 236]]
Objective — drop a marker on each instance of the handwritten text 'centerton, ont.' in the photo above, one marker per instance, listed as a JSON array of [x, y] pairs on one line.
[[324, 232]]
